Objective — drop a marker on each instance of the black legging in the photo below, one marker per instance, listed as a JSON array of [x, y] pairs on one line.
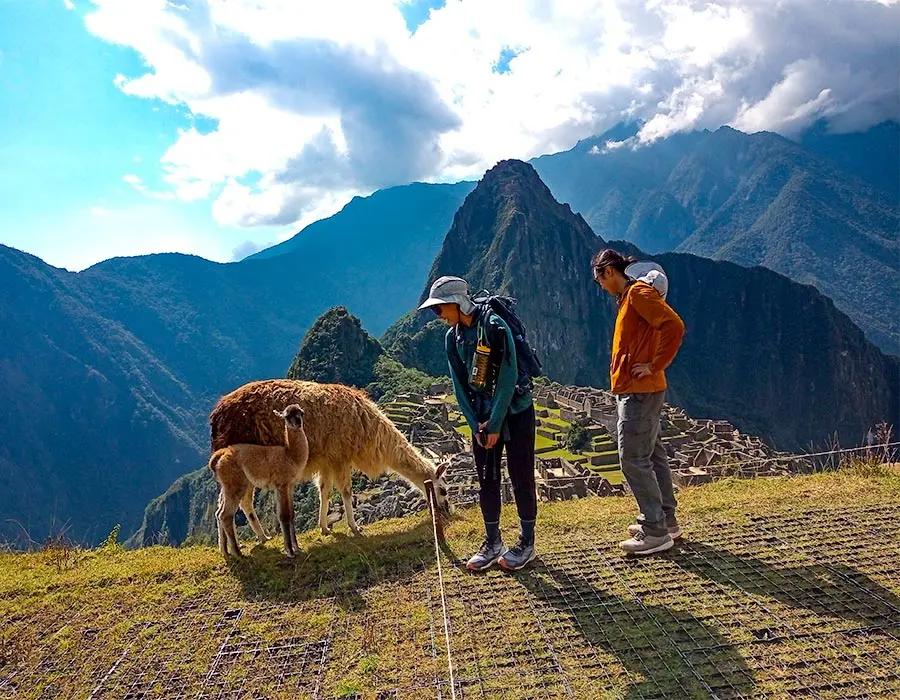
[[519, 464]]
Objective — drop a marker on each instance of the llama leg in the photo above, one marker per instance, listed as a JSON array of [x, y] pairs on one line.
[[223, 538], [347, 498], [228, 506], [285, 513], [295, 546], [293, 519], [324, 494], [250, 512]]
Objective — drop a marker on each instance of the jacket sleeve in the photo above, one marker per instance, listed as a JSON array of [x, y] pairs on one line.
[[458, 375], [655, 311], [506, 378]]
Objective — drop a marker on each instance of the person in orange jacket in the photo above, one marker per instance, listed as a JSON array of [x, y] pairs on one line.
[[647, 336]]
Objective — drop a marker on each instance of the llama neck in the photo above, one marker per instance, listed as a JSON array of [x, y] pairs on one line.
[[296, 445], [413, 465]]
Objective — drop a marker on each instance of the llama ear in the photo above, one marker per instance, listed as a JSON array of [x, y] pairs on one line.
[[440, 471]]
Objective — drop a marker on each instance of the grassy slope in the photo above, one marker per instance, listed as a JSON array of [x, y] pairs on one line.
[[171, 604]]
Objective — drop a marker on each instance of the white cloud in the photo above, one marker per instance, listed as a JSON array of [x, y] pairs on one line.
[[139, 185], [276, 204], [69, 4], [610, 146], [318, 100], [247, 248]]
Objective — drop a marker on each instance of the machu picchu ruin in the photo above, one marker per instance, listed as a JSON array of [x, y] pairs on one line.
[[699, 450]]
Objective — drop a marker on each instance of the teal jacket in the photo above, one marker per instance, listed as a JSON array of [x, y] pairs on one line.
[[479, 406]]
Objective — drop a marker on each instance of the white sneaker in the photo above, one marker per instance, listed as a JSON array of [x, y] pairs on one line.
[[487, 556], [641, 543], [673, 527]]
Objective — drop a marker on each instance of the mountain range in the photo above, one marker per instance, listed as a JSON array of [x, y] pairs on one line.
[[108, 374], [774, 357], [819, 211], [822, 210]]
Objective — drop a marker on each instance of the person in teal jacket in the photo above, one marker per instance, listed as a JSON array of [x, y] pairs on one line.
[[498, 407]]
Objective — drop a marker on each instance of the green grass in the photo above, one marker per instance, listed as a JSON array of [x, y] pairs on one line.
[[465, 431], [613, 474], [557, 423], [381, 610], [553, 418], [561, 452], [541, 441]]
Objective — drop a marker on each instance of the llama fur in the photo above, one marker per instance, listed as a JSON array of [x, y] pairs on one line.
[[345, 431], [242, 468]]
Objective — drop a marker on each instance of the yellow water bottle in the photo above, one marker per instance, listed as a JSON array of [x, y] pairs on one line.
[[480, 366]]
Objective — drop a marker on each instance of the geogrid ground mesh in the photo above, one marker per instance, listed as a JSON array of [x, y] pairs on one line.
[[792, 606]]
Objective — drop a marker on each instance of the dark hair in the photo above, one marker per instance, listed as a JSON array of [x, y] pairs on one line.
[[610, 258]]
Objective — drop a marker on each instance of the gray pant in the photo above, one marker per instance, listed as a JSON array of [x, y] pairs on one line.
[[644, 460]]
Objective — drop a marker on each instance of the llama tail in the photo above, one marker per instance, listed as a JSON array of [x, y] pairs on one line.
[[214, 460]]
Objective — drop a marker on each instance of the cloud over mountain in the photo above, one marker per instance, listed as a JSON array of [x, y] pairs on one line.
[[313, 102]]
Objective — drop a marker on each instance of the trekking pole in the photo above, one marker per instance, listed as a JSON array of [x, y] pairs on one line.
[[438, 531], [435, 516]]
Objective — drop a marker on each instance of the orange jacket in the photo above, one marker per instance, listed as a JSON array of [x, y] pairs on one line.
[[647, 330]]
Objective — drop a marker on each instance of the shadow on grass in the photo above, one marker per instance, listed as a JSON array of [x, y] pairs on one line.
[[341, 566], [832, 590], [665, 652]]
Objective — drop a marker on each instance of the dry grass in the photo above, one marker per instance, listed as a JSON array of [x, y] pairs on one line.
[[358, 617]]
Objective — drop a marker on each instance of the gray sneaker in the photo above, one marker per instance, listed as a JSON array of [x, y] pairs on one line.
[[485, 557], [671, 523], [516, 557], [642, 543]]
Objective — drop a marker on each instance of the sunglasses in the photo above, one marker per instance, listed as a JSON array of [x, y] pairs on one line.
[[598, 273], [436, 308]]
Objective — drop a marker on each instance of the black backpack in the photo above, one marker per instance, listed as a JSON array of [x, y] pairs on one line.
[[529, 364]]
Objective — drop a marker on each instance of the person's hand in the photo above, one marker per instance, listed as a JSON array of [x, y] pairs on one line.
[[491, 439], [641, 370]]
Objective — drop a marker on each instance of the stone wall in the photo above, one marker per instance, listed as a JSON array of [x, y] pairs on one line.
[[698, 450]]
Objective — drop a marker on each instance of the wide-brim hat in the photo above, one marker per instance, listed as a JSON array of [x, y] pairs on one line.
[[449, 290]]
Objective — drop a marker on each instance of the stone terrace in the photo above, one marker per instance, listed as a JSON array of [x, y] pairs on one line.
[[699, 450]]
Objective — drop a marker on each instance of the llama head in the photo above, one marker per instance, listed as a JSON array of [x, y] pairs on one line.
[[292, 415], [440, 490]]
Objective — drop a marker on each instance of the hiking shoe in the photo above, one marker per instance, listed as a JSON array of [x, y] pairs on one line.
[[516, 557], [672, 523], [642, 543], [485, 557]]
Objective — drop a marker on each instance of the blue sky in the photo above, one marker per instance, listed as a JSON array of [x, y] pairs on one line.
[[70, 136], [209, 126], [415, 13]]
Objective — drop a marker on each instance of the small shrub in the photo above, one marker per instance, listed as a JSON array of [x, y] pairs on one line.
[[61, 550], [577, 439], [112, 539]]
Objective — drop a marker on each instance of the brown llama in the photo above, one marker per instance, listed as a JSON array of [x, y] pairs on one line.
[[241, 468], [345, 430]]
